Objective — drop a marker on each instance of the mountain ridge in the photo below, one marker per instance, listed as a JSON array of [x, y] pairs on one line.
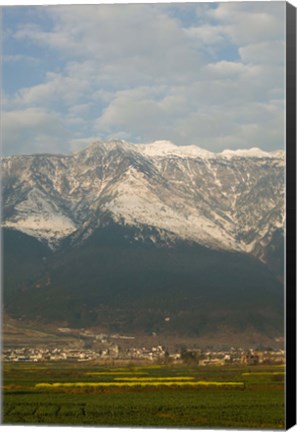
[[195, 194]]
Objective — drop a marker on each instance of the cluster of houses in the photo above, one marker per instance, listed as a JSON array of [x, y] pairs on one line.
[[39, 354], [152, 354], [240, 356], [46, 354]]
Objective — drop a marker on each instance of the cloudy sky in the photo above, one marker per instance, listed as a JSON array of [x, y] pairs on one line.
[[210, 74]]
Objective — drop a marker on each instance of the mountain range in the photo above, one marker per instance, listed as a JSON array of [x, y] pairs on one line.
[[146, 238]]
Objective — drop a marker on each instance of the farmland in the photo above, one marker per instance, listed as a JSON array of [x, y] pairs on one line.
[[166, 396]]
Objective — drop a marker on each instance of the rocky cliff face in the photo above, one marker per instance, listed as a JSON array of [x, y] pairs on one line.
[[232, 200]]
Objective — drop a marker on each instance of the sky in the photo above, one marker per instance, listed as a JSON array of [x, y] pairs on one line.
[[208, 74]]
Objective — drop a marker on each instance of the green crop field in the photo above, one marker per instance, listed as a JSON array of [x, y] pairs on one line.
[[166, 396]]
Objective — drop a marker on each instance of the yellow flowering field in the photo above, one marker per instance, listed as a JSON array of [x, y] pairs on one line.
[[262, 373], [116, 373], [170, 378], [139, 383]]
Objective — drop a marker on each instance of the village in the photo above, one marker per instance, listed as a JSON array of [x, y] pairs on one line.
[[155, 354]]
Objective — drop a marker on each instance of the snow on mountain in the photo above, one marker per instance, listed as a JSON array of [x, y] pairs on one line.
[[41, 218], [138, 204], [252, 152], [166, 148], [232, 200]]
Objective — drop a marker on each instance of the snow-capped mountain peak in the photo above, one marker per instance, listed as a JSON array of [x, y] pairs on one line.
[[233, 200], [167, 148]]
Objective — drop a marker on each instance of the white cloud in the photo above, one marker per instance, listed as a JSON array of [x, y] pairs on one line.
[[141, 72], [56, 89], [207, 34], [247, 23], [268, 52], [126, 42], [231, 70], [80, 109], [136, 107], [33, 131], [219, 130], [19, 58], [211, 116]]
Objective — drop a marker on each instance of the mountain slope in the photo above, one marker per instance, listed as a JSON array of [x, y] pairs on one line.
[[114, 281], [231, 200], [150, 238]]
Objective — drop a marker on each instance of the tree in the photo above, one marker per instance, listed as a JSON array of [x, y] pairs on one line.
[[188, 357]]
